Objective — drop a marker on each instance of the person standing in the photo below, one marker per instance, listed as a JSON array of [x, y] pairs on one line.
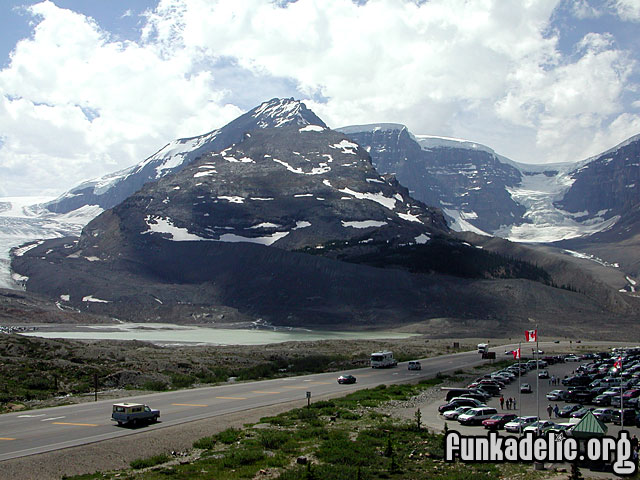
[[501, 402], [556, 411], [549, 410]]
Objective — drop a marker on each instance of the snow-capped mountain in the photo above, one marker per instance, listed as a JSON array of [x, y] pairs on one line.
[[484, 192], [109, 190], [291, 225]]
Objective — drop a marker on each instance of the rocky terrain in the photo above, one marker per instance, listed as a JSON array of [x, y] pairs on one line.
[[481, 191]]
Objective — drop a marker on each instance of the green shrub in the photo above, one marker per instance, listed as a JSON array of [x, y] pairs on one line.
[[154, 385], [238, 457], [205, 443], [149, 462], [230, 435], [273, 439], [179, 380]]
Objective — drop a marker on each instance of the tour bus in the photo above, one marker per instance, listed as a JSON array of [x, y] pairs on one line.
[[383, 360]]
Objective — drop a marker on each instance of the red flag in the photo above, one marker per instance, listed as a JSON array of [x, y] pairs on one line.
[[531, 335], [516, 353], [618, 363]]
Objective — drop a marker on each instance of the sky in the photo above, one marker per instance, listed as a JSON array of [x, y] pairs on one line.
[[92, 87]]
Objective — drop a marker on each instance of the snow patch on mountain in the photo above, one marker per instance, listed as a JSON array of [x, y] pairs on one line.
[[265, 240], [537, 193], [379, 197], [25, 220], [363, 224]]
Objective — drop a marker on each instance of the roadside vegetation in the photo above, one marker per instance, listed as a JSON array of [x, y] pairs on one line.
[[345, 438], [34, 371]]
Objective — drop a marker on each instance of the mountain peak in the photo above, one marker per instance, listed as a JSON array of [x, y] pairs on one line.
[[279, 112]]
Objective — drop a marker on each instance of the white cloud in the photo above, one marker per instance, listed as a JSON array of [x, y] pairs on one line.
[[441, 67], [583, 9], [627, 9], [74, 103]]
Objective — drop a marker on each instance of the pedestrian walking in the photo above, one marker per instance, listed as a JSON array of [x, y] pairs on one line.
[[549, 410], [514, 403], [508, 403], [501, 402], [556, 411]]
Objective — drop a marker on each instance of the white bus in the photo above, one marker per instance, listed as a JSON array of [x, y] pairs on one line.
[[383, 360]]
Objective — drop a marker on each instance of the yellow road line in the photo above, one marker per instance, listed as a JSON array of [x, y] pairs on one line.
[[262, 391], [76, 424], [6, 438], [233, 398], [189, 405], [297, 388]]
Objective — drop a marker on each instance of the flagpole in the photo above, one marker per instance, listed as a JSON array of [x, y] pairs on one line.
[[519, 380], [536, 356], [621, 404]]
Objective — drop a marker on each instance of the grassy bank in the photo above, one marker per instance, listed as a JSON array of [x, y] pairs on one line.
[[34, 371], [344, 438]]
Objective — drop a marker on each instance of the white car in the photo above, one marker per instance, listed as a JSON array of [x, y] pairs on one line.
[[571, 358], [475, 416], [519, 424], [533, 427], [556, 395], [454, 414]]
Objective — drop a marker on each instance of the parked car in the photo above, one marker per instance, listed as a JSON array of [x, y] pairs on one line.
[[453, 414], [559, 428], [475, 416], [346, 379], [414, 365], [538, 426], [577, 380], [498, 421], [603, 414], [525, 388], [567, 410], [602, 400], [571, 358], [581, 396], [459, 402], [519, 424], [581, 412], [556, 395], [543, 374], [628, 415]]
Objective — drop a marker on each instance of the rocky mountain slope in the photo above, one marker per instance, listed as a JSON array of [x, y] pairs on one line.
[[484, 192], [109, 190], [294, 226]]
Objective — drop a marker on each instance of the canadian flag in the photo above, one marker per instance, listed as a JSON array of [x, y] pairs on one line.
[[531, 335], [618, 363], [516, 353]]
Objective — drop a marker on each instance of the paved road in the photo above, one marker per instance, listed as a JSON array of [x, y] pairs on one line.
[[38, 431]]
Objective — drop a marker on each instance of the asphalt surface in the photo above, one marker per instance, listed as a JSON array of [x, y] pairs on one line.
[[38, 431], [527, 403], [44, 430]]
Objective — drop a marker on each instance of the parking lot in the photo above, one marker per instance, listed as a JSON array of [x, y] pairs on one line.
[[526, 403]]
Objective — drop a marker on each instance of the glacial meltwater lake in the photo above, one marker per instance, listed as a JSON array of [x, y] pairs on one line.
[[169, 334]]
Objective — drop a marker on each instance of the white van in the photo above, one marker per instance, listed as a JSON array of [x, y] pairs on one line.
[[475, 416], [383, 360]]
